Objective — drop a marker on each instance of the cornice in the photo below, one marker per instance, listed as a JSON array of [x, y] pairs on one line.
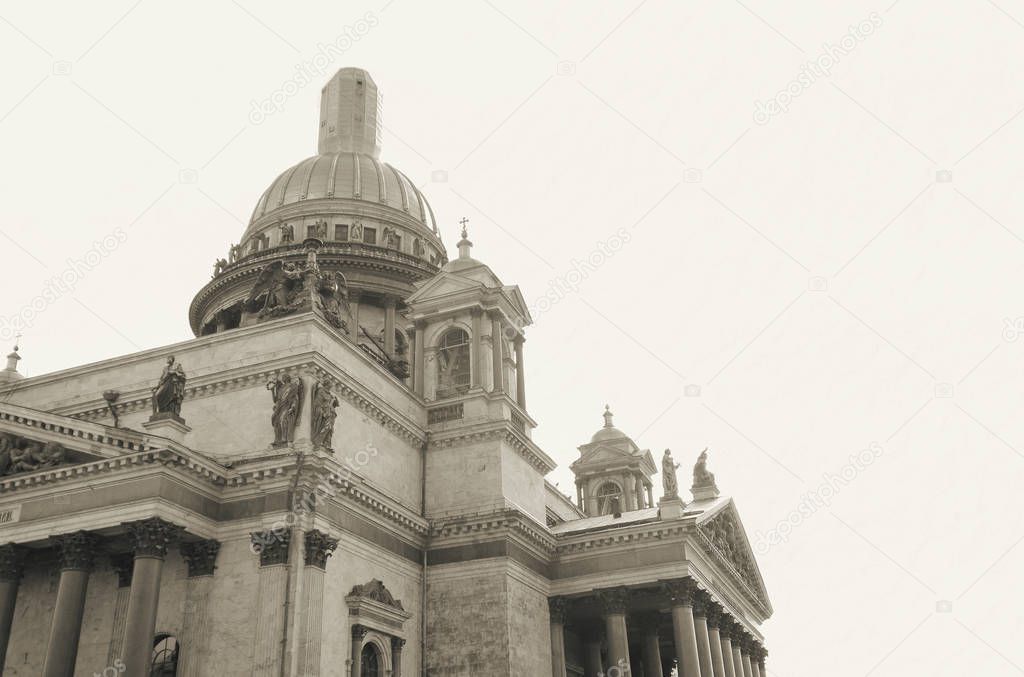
[[620, 537], [502, 430], [497, 523]]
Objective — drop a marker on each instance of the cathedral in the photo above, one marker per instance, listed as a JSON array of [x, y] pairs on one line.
[[337, 475]]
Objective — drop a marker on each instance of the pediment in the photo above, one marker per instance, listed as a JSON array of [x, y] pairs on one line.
[[20, 455], [444, 285], [605, 453], [725, 536]]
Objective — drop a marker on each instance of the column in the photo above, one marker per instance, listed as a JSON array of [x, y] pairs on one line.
[[272, 548], [318, 549], [592, 664], [389, 326], [358, 634], [150, 539], [714, 615], [681, 592], [725, 632], [77, 554], [396, 656], [12, 562], [615, 602], [737, 653], [517, 342], [640, 494], [497, 354], [353, 303], [748, 671], [651, 648], [479, 365], [556, 611], [700, 623], [419, 368], [628, 500], [755, 654], [122, 564], [201, 559], [579, 494], [762, 654]]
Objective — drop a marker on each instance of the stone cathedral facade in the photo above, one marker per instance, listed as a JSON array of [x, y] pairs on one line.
[[336, 476]]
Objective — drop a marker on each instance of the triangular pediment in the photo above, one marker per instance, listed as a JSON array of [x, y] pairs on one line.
[[445, 285], [604, 454], [725, 537]]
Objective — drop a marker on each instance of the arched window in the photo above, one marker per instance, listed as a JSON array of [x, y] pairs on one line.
[[165, 657], [609, 499], [370, 663], [453, 363]]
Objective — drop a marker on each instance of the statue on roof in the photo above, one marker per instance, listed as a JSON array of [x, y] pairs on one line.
[[701, 475], [668, 475], [170, 389]]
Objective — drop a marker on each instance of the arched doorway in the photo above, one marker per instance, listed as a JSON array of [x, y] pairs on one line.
[[370, 661]]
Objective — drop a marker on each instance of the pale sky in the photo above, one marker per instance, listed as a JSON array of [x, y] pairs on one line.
[[844, 273]]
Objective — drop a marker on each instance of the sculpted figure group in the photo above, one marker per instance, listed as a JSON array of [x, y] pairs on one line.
[[18, 455], [287, 393]]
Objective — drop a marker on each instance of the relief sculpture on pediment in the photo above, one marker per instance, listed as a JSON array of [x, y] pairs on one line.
[[21, 455], [724, 533]]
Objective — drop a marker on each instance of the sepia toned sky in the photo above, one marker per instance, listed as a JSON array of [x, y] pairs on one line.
[[790, 232]]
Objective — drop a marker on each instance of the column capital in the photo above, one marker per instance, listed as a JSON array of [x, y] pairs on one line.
[[613, 600], [319, 547], [476, 312], [12, 562], [714, 615], [495, 315], [271, 546], [397, 643], [557, 608], [419, 325], [77, 550], [682, 591], [151, 537], [122, 563], [201, 557], [390, 301], [518, 340], [358, 632]]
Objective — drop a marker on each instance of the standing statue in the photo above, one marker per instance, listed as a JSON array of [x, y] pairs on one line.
[[668, 475], [320, 229], [390, 238], [287, 234], [418, 248], [219, 266], [287, 393], [325, 412], [702, 477], [355, 233], [170, 390], [234, 253]]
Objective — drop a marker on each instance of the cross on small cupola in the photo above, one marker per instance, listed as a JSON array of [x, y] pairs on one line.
[[464, 244]]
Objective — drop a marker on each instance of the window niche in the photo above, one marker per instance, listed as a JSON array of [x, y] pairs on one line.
[[453, 363]]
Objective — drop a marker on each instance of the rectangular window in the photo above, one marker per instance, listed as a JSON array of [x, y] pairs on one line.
[[341, 232], [370, 235]]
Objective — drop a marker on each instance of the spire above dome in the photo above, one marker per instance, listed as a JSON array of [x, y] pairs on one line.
[[350, 114]]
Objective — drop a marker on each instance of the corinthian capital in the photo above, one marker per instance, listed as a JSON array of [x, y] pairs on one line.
[[152, 536], [682, 591], [12, 562], [201, 557], [614, 600], [319, 546], [77, 550], [557, 607]]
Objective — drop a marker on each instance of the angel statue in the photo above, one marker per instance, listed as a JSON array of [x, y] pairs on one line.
[[325, 412], [332, 291], [702, 477], [287, 393], [170, 389], [278, 285], [219, 266], [668, 475]]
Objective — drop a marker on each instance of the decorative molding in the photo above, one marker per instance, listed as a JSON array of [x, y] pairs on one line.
[[201, 557], [505, 432], [378, 592], [151, 537], [318, 548]]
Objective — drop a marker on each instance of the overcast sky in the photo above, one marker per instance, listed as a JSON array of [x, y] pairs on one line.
[[803, 276]]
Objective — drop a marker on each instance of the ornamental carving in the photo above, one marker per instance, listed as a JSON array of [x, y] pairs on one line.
[[376, 591], [77, 550], [714, 614], [12, 562], [201, 557], [20, 454], [682, 591], [152, 536], [557, 607], [319, 547], [285, 288], [726, 535], [271, 545], [614, 600]]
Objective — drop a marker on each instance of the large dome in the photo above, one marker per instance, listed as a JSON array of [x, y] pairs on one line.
[[372, 224], [342, 177]]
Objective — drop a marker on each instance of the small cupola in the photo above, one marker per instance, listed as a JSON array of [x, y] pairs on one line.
[[10, 374]]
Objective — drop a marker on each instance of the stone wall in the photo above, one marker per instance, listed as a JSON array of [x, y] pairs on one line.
[[467, 623]]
